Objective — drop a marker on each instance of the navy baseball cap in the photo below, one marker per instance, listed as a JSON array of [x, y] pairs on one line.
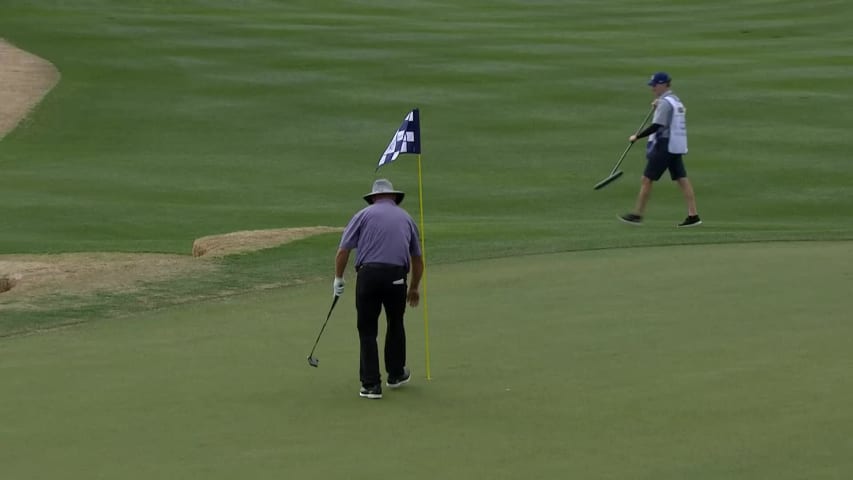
[[659, 78]]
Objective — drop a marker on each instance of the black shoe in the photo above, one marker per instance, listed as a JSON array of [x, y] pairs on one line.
[[397, 382], [373, 392], [691, 221], [631, 218]]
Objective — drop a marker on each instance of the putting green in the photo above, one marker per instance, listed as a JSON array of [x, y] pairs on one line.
[[717, 361]]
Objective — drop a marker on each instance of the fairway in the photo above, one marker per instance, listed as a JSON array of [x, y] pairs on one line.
[[563, 343], [580, 365]]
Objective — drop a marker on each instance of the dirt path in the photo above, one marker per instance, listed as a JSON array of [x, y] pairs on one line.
[[25, 279], [24, 80]]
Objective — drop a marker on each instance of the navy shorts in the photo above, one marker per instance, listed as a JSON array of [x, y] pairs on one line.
[[658, 160]]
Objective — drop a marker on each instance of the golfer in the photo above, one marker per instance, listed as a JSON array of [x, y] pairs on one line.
[[387, 244], [666, 146]]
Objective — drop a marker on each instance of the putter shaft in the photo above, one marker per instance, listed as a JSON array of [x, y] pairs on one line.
[[311, 359]]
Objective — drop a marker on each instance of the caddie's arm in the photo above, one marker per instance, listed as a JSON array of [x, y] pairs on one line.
[[645, 133]]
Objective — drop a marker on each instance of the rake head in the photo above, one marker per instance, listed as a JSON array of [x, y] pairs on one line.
[[607, 181]]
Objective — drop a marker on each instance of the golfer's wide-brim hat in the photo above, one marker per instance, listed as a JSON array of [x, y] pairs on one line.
[[383, 186]]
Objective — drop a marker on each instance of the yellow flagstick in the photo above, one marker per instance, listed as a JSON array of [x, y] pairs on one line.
[[424, 279]]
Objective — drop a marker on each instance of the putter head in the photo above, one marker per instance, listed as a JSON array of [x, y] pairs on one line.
[[608, 180], [314, 362]]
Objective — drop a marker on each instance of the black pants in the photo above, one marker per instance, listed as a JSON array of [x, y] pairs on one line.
[[381, 285]]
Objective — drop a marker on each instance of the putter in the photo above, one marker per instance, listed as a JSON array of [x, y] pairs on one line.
[[312, 360], [614, 174]]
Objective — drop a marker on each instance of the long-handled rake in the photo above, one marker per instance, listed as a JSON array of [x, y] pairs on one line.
[[616, 173], [312, 360]]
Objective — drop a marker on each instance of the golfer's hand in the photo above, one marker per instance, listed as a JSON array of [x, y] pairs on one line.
[[655, 102], [414, 297], [338, 286], [632, 138]]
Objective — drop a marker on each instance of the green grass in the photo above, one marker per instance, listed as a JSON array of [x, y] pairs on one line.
[[560, 347], [172, 122], [627, 364]]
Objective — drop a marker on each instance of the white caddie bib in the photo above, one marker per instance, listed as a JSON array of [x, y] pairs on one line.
[[677, 126]]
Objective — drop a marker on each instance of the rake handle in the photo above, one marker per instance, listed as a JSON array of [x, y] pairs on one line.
[[631, 144]]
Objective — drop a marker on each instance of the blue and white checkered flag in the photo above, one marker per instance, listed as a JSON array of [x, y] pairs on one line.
[[407, 139]]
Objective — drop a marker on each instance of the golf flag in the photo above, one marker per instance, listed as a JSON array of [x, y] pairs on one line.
[[407, 139]]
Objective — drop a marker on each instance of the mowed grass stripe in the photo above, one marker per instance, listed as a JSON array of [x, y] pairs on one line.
[[178, 121]]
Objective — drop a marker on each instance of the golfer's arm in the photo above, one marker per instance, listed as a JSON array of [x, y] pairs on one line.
[[417, 272], [341, 259]]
